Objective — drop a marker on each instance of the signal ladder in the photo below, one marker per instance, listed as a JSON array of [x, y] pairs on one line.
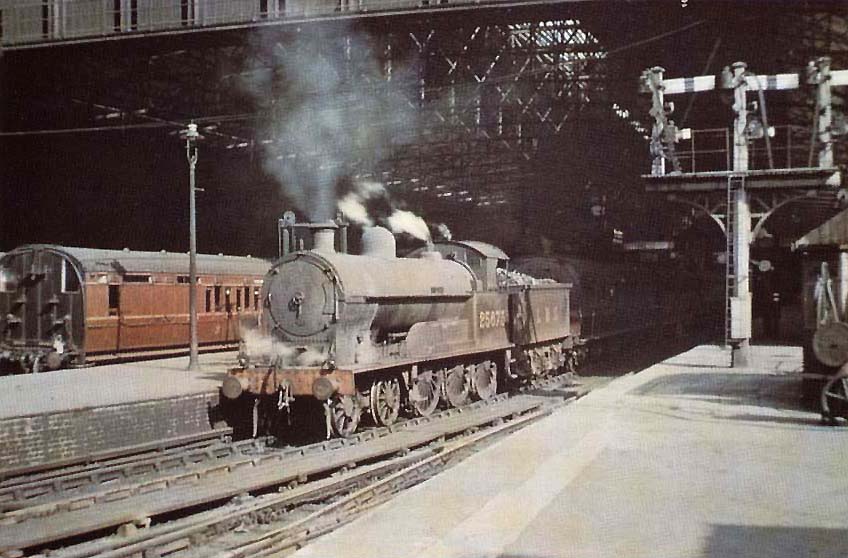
[[735, 184]]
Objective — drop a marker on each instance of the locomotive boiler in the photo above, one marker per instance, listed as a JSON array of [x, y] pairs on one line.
[[378, 333]]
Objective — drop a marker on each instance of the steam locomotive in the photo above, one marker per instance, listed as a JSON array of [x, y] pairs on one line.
[[377, 334]]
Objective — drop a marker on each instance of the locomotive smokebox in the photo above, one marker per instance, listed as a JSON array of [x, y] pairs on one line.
[[378, 242]]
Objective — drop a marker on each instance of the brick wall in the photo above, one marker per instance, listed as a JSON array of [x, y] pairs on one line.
[[33, 440]]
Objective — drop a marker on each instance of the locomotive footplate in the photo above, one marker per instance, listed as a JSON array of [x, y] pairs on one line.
[[269, 380]]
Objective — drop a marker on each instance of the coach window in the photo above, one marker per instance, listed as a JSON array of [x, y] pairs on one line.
[[208, 299], [114, 299], [70, 281], [256, 298], [247, 298], [228, 305], [9, 280], [187, 13], [238, 300], [217, 299]]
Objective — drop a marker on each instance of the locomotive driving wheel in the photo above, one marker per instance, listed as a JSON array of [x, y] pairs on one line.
[[343, 412], [424, 394], [834, 398], [385, 401], [457, 388], [485, 380]]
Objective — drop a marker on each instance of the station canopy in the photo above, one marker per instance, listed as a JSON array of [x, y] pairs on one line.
[[833, 232]]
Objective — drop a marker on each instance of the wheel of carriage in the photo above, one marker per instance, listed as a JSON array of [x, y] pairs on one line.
[[457, 388], [344, 412], [424, 394], [385, 401], [834, 398], [485, 380]]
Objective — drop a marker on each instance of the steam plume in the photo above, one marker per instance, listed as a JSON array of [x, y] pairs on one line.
[[355, 204], [259, 347], [402, 221], [331, 107]]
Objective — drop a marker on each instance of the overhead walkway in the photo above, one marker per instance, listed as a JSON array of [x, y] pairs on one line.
[[35, 23]]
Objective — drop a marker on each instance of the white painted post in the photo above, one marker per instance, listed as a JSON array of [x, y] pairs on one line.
[[825, 115], [740, 310]]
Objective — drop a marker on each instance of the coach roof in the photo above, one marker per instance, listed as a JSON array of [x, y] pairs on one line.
[[95, 260]]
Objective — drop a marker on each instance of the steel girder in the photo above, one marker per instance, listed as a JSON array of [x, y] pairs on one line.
[[484, 95]]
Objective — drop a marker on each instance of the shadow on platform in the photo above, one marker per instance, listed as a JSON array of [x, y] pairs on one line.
[[735, 388], [775, 542]]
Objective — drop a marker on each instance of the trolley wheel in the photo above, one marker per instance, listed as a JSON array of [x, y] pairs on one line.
[[457, 388], [834, 398], [385, 401], [344, 412], [424, 394], [830, 343]]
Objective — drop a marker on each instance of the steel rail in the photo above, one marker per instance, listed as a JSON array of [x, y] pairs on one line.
[[36, 527], [337, 513], [75, 489], [191, 531], [27, 490]]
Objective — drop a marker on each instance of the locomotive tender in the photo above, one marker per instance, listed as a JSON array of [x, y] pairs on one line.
[[624, 299], [62, 306], [381, 333]]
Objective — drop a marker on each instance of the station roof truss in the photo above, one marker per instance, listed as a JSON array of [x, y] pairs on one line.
[[490, 87]]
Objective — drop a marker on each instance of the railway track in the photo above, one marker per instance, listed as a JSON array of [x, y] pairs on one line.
[[22, 487], [53, 522]]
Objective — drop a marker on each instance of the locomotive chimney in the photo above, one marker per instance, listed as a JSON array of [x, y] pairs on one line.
[[324, 239]]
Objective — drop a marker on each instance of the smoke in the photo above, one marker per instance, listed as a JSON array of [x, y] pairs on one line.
[[353, 208], [332, 114], [443, 232], [259, 347], [402, 221], [369, 202], [354, 205]]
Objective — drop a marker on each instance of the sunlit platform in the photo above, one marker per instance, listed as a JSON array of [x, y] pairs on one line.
[[686, 458]]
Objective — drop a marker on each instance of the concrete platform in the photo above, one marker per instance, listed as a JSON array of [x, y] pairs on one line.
[[77, 414], [110, 384], [687, 458]]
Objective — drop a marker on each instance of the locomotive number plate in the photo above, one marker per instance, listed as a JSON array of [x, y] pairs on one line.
[[492, 318]]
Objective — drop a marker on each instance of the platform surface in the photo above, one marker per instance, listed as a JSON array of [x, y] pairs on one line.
[[688, 458], [110, 384]]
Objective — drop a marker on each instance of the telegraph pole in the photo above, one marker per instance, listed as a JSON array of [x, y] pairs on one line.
[[191, 137]]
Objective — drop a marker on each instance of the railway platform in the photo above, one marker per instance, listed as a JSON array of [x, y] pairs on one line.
[[68, 415], [686, 458]]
